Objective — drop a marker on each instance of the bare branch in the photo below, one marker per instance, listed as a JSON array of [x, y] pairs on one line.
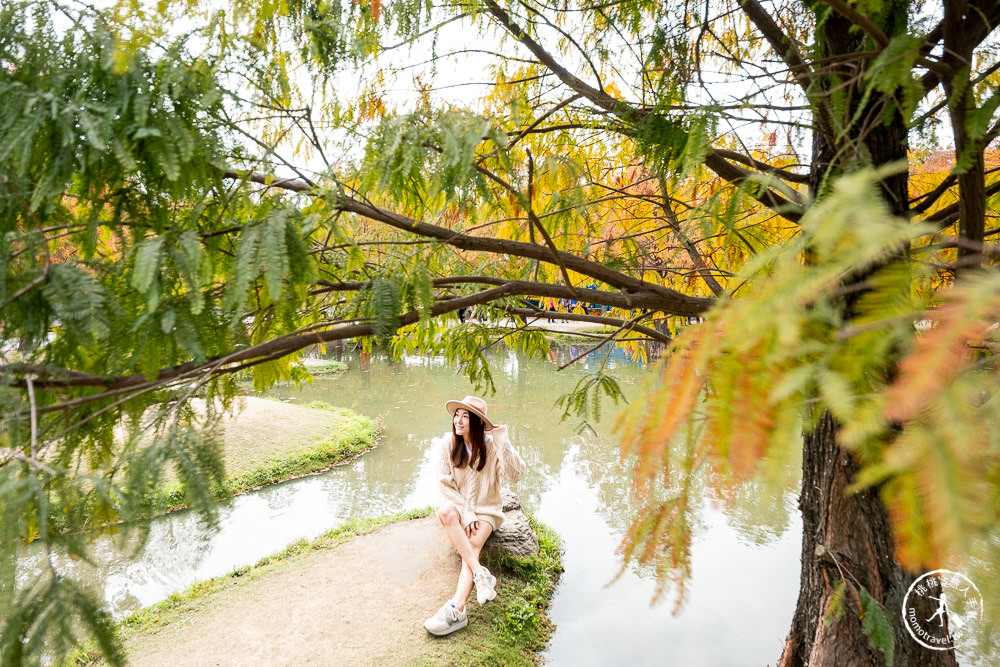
[[35, 463], [763, 167], [980, 22], [634, 115], [785, 47], [949, 214]]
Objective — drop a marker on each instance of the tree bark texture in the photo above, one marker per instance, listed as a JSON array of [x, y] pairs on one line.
[[846, 536], [972, 179]]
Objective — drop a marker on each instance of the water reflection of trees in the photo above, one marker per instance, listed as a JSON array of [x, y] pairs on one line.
[[982, 570], [759, 512]]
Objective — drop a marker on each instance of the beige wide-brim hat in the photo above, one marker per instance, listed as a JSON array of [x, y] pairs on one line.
[[473, 404]]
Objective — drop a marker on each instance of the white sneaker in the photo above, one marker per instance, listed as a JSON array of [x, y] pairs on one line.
[[486, 586], [448, 619]]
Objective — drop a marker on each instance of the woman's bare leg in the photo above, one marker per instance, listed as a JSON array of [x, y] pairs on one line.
[[465, 581], [452, 521]]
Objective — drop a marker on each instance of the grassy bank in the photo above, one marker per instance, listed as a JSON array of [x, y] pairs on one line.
[[270, 441], [314, 367], [512, 630], [324, 366]]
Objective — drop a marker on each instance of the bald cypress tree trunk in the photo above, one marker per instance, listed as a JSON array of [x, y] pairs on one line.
[[848, 537]]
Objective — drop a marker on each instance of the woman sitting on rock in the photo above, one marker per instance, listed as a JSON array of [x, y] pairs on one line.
[[472, 464]]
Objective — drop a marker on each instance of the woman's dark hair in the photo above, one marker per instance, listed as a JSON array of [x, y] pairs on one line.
[[476, 439]]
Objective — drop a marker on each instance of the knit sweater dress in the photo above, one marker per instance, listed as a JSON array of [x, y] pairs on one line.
[[476, 493]]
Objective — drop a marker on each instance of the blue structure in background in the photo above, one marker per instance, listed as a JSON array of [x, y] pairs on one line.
[[588, 308]]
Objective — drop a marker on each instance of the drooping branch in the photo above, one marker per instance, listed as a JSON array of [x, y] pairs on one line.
[[46, 377]]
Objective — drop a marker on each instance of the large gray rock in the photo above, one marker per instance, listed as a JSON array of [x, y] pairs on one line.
[[515, 534]]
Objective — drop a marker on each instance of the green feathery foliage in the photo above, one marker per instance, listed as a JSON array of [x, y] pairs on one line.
[[876, 626], [124, 255]]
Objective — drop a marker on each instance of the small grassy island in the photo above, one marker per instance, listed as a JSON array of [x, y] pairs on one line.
[[268, 441]]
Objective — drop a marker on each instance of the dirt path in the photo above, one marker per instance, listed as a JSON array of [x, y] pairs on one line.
[[362, 602]]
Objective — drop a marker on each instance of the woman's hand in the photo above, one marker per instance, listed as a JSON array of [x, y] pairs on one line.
[[472, 529]]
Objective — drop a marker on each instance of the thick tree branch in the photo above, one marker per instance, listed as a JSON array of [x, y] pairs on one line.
[[281, 346], [926, 201], [860, 20], [785, 48], [627, 301], [635, 116], [667, 300], [950, 214], [763, 167]]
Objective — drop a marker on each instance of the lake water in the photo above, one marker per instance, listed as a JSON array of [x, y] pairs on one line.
[[745, 559]]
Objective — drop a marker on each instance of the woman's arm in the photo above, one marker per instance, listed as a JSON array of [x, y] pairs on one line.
[[449, 486], [510, 463]]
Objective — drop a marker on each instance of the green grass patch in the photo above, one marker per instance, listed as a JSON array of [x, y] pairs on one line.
[[514, 628], [326, 368], [354, 435], [576, 339]]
